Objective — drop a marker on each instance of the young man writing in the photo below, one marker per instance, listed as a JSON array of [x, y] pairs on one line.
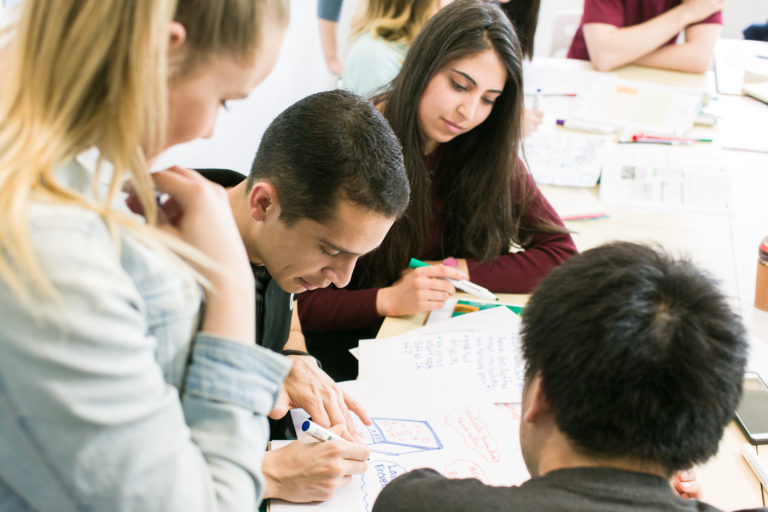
[[634, 366], [618, 32], [326, 185]]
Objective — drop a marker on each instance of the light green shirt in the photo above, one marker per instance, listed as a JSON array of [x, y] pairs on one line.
[[371, 65]]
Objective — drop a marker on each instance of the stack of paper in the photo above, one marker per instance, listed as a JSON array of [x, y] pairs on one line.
[[640, 107], [483, 344], [667, 179], [425, 422], [431, 394]]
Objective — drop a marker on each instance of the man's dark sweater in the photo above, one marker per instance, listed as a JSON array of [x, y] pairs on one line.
[[572, 489]]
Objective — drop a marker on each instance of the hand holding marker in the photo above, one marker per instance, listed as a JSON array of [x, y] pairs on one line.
[[318, 432], [467, 286]]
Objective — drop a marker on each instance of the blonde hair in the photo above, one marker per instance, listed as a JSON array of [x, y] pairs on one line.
[[395, 21], [95, 73]]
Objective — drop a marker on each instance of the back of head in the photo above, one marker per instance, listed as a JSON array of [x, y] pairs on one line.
[[396, 21], [328, 147], [639, 354], [524, 16]]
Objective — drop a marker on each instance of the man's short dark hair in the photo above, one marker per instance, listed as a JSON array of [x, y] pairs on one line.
[[640, 355], [328, 147]]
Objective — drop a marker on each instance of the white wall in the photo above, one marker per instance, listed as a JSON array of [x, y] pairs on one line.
[[300, 71]]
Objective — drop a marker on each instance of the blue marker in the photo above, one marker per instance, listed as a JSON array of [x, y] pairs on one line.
[[318, 432]]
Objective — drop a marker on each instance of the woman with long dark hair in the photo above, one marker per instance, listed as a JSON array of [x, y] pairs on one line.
[[456, 108]]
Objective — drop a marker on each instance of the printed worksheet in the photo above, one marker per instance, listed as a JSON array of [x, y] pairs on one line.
[[667, 179]]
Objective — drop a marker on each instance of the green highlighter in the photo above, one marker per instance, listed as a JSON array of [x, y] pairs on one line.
[[463, 285]]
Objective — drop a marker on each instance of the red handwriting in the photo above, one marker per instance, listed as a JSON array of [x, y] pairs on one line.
[[474, 430], [513, 409]]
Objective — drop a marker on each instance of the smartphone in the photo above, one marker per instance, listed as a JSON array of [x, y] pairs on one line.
[[752, 413]]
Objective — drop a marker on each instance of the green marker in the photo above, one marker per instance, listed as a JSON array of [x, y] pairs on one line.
[[467, 286]]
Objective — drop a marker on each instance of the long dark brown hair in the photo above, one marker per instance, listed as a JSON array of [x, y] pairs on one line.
[[478, 170], [524, 16]]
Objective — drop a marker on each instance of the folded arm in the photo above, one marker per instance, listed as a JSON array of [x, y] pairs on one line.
[[611, 47], [693, 56]]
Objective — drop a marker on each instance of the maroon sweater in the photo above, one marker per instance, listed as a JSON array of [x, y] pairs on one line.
[[623, 13], [332, 309]]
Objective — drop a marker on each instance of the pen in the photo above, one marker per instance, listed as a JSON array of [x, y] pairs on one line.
[[655, 141], [537, 99], [637, 136], [463, 285], [585, 127], [748, 452], [553, 94], [318, 432]]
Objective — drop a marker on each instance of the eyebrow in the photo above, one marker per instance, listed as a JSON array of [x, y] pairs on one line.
[[473, 80]]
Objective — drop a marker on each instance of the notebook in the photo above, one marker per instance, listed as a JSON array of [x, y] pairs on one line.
[[758, 91]]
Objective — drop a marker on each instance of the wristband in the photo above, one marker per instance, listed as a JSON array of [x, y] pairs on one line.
[[291, 352]]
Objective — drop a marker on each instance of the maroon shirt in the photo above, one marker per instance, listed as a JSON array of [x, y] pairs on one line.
[[331, 309], [623, 13]]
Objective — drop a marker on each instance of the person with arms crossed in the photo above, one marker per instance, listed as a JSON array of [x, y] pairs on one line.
[[633, 367], [325, 186], [456, 107], [110, 398], [644, 32]]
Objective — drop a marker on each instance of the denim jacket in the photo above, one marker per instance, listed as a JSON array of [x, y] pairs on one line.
[[109, 399]]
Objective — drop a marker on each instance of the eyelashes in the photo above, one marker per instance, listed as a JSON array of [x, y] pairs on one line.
[[462, 88]]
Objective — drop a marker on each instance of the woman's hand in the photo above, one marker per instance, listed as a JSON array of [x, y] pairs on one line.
[[532, 119], [418, 290], [198, 212]]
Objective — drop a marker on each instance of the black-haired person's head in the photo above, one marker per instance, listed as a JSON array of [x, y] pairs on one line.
[[483, 190], [328, 147], [325, 186], [524, 16], [638, 354]]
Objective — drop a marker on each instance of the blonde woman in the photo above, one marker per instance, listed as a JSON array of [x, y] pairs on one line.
[[382, 34], [98, 311]]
